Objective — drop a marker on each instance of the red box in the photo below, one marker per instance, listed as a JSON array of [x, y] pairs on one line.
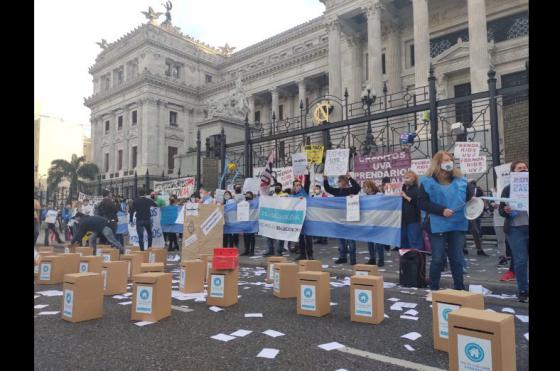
[[225, 258]]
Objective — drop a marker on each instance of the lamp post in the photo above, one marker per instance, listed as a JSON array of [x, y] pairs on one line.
[[368, 98]]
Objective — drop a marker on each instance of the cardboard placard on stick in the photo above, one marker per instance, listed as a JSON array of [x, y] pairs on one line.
[[203, 241]]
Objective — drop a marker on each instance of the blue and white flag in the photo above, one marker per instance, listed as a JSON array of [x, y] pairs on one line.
[[231, 224], [122, 224], [169, 215], [380, 219], [281, 218]]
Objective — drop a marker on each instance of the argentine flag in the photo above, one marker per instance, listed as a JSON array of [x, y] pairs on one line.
[[231, 225]]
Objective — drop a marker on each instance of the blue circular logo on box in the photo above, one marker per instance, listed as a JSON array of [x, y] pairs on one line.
[[474, 352], [307, 293], [45, 268], [144, 294], [68, 298], [217, 281], [363, 298], [445, 313], [84, 268]]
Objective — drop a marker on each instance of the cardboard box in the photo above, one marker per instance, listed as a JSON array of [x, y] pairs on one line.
[[367, 299], [445, 301], [191, 278], [128, 249], [46, 249], [82, 298], [313, 294], [270, 262], [69, 249], [207, 259], [310, 266], [103, 246], [71, 263], [151, 267], [110, 254], [51, 270], [144, 255], [365, 270], [481, 340], [91, 264], [114, 275], [151, 296], [222, 287], [83, 251], [157, 255], [46, 253], [285, 280], [202, 231], [134, 262]]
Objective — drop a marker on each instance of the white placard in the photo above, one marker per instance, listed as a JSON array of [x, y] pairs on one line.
[[217, 285], [307, 295], [519, 190], [181, 216], [211, 221], [465, 150], [68, 303], [51, 216], [144, 299], [192, 209], [443, 311], [473, 165], [251, 185], [420, 166], [363, 303], [474, 353], [299, 163], [45, 272], [243, 211], [336, 162], [220, 195], [502, 177], [353, 208]]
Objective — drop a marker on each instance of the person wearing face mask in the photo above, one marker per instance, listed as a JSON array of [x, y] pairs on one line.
[[443, 194], [228, 237], [369, 188], [411, 229], [516, 228], [205, 197], [249, 238], [318, 192], [305, 242], [270, 241]]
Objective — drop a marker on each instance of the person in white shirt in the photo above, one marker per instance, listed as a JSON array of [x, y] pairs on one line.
[[86, 208]]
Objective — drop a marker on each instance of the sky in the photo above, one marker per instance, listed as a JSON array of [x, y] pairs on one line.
[[66, 32]]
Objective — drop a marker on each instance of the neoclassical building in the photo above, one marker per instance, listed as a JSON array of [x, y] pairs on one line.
[[155, 87]]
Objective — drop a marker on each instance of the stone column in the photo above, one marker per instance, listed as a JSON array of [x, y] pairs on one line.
[[421, 42], [163, 120], [355, 91], [393, 59], [335, 74], [374, 46], [112, 136], [126, 141], [478, 46], [274, 105], [251, 100]]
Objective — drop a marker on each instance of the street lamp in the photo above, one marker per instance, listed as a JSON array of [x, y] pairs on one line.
[[368, 98]]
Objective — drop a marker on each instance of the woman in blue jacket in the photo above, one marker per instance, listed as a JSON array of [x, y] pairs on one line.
[[443, 193]]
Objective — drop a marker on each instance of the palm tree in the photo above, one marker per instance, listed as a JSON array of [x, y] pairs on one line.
[[76, 171]]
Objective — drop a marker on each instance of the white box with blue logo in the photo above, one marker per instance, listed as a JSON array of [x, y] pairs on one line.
[[481, 340], [82, 298], [313, 294], [151, 297], [367, 299], [443, 303], [222, 287]]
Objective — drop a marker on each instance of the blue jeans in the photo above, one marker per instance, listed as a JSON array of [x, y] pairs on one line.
[[372, 246], [140, 226], [343, 249], [518, 240], [455, 241], [411, 236], [108, 234]]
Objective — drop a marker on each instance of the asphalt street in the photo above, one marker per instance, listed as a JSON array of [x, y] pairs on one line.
[[183, 341]]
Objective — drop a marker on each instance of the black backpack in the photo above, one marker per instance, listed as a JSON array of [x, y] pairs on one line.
[[412, 270]]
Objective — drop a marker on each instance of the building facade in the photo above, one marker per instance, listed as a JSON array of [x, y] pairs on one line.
[[155, 87]]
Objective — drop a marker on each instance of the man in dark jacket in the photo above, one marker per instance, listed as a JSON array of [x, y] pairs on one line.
[[108, 210], [141, 206], [346, 186], [98, 225]]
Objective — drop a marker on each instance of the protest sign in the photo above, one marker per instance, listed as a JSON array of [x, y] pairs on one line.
[[122, 224], [336, 162], [502, 177], [252, 184], [283, 175], [233, 225], [376, 167], [299, 163], [191, 209], [243, 211], [466, 150], [157, 235], [281, 218], [202, 232], [314, 154], [353, 208], [182, 187], [92, 199], [220, 195], [420, 166], [519, 190], [473, 165], [51, 216]]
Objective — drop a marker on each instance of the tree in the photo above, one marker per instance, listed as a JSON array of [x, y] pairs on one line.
[[76, 172]]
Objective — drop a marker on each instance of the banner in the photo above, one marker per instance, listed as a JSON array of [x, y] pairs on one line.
[[314, 154], [157, 235], [182, 187], [202, 231], [375, 167], [420, 166], [336, 161], [122, 225], [281, 218], [380, 219], [231, 224], [92, 199], [473, 165]]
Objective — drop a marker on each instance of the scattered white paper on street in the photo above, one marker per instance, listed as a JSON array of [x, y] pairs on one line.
[[386, 316], [127, 294], [143, 323], [50, 293], [396, 306], [223, 337], [41, 306], [331, 346], [36, 296], [241, 333], [253, 315], [388, 285], [393, 299], [479, 289], [411, 336], [49, 313], [508, 310], [409, 317], [324, 266], [409, 347], [125, 303], [119, 297], [273, 333], [333, 304], [522, 318], [411, 312], [215, 309], [268, 353]]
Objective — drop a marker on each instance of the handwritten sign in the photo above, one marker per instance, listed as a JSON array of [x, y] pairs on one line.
[[182, 187], [314, 154], [243, 211], [519, 190], [92, 199], [220, 195], [420, 166], [283, 175], [473, 165], [51, 216], [465, 150], [252, 184], [502, 177], [353, 208], [299, 163], [336, 162]]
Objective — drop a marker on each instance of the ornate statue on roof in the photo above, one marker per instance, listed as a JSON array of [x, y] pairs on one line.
[[226, 50], [152, 15], [168, 6], [103, 44]]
